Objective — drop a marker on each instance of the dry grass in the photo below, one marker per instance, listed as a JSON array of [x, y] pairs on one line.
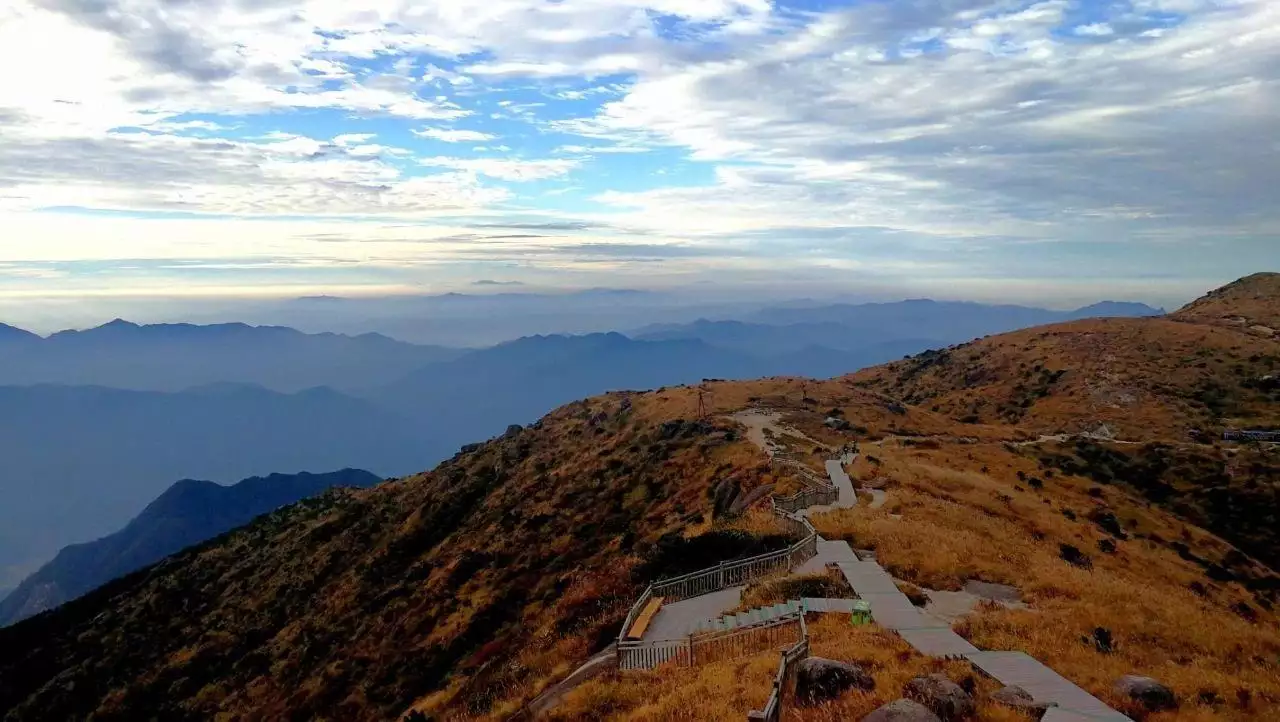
[[777, 591], [960, 524], [728, 690]]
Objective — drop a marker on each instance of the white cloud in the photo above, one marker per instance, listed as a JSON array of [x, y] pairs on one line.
[[453, 136], [1095, 30], [506, 169], [969, 119]]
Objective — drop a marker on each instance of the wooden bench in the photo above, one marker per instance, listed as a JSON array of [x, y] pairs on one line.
[[645, 619]]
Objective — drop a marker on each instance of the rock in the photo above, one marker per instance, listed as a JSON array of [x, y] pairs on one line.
[[944, 697], [745, 501], [1020, 699], [1074, 556], [1103, 641], [819, 680], [1146, 691], [902, 710], [1107, 521]]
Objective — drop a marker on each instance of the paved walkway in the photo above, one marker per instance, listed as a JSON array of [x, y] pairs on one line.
[[678, 619], [1046, 685], [891, 609]]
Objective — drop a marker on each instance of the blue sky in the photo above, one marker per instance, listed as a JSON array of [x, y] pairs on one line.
[[957, 148]]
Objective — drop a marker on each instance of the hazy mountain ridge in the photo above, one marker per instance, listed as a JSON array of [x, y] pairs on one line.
[[82, 461], [187, 513], [871, 331], [404, 416], [173, 357]]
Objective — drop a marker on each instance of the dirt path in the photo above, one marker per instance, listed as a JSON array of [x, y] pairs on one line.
[[758, 420]]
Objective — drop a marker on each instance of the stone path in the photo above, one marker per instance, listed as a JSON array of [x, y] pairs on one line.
[[1046, 685], [890, 608]]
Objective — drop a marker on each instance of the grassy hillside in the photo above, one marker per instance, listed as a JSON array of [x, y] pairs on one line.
[[466, 591]]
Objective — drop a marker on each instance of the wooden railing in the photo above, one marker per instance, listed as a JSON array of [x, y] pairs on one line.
[[817, 491], [647, 655], [783, 681], [713, 646], [808, 476], [633, 654], [744, 641], [637, 654]]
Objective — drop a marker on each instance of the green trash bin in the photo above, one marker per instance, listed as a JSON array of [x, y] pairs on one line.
[[861, 613]]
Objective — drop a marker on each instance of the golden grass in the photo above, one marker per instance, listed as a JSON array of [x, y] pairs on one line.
[[728, 690], [776, 591], [961, 524]]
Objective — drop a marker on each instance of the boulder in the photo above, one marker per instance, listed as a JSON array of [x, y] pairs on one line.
[[1147, 692], [902, 710], [945, 698], [1021, 700], [819, 680]]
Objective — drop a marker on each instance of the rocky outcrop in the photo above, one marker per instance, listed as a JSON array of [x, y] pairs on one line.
[[1021, 700], [902, 710], [945, 698], [1147, 692], [819, 679]]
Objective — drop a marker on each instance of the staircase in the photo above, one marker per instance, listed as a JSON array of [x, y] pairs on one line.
[[761, 615]]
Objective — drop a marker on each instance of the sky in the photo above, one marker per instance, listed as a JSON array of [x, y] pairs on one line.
[[1047, 151]]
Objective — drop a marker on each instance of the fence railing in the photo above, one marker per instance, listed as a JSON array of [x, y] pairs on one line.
[[744, 641], [638, 654], [807, 476], [713, 646], [647, 655], [806, 498], [783, 682], [706, 581]]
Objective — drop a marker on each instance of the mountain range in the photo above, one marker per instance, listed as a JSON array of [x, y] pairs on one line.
[[174, 357], [1080, 464], [387, 406], [189, 512]]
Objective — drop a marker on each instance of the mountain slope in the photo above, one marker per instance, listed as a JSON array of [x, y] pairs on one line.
[[13, 336], [1167, 388], [81, 461], [518, 381], [173, 357], [1249, 303], [187, 513], [466, 591], [520, 544]]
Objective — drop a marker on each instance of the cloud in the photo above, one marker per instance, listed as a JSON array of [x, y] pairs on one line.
[[490, 282], [1096, 30], [796, 133], [453, 136], [1013, 131], [505, 169]]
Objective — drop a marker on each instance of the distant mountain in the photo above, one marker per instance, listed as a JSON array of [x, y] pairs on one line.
[[12, 335], [1115, 309], [516, 382], [875, 332], [172, 357], [188, 513], [81, 461]]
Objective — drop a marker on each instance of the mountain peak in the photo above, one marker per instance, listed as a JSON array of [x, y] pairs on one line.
[[1252, 302], [10, 334]]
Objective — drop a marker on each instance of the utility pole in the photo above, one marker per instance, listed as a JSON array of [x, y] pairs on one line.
[[702, 403]]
